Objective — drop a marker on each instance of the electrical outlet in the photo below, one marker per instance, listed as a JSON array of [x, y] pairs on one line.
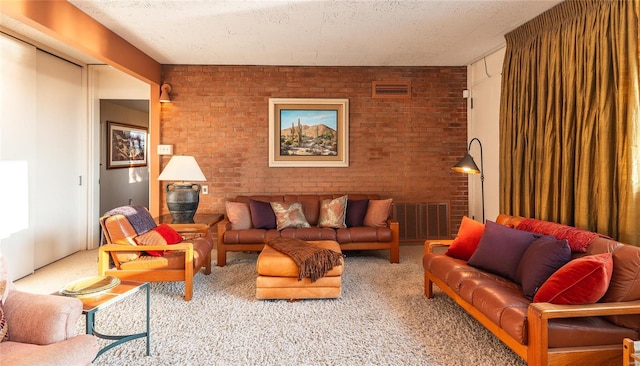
[[165, 149], [205, 189]]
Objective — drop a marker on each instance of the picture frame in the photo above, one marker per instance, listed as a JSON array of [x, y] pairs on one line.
[[126, 145], [307, 132]]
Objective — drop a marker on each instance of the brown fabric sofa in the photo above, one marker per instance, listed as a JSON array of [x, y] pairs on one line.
[[351, 238], [544, 333]]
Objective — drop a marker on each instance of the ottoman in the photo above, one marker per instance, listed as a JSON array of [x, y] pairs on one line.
[[278, 276]]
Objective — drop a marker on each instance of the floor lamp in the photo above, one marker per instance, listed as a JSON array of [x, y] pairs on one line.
[[468, 165]]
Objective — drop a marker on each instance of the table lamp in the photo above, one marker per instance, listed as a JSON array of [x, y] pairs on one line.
[[183, 196]]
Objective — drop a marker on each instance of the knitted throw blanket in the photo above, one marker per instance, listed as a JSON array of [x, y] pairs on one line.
[[313, 262], [578, 239], [138, 216]]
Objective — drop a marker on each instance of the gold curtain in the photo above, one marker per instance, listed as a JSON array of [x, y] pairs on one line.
[[569, 118]]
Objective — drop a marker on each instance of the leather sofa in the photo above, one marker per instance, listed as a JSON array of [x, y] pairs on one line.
[[540, 332], [350, 238]]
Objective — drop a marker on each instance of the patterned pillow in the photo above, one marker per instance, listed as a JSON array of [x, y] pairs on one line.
[[4, 328], [289, 215], [161, 235], [333, 213]]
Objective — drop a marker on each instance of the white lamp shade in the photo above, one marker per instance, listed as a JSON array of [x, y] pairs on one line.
[[14, 197], [182, 168]]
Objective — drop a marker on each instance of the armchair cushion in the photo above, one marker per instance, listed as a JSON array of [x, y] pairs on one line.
[[161, 235]]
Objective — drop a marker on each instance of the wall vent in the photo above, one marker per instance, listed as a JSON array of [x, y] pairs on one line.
[[420, 221], [391, 89]]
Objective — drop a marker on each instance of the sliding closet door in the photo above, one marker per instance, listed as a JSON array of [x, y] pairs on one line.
[[59, 189], [17, 124]]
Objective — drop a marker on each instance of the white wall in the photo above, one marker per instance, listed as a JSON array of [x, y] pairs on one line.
[[484, 79]]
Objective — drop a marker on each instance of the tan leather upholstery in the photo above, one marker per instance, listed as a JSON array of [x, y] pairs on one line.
[[278, 277], [180, 262]]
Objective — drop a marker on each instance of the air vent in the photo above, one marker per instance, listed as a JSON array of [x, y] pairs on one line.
[[391, 89]]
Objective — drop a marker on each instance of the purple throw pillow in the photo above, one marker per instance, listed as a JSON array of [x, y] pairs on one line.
[[500, 250], [356, 210], [545, 256], [262, 215]]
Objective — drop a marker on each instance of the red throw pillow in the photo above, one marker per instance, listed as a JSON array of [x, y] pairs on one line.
[[466, 242], [160, 235], [582, 281]]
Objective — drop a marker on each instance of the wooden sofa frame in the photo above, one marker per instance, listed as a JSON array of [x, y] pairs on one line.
[[537, 352]]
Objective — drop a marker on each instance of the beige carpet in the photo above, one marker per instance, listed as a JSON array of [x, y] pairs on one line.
[[382, 318]]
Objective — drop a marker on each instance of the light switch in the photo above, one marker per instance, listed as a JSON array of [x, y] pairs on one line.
[[165, 149]]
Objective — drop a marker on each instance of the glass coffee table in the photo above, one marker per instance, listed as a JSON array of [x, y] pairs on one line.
[[94, 302]]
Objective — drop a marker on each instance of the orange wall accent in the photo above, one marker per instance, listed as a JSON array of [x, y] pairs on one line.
[[400, 148], [65, 22]]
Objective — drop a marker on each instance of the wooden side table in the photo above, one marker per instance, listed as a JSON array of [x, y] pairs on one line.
[[201, 225]]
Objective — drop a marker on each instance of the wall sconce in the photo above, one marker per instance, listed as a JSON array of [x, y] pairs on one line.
[[165, 89], [468, 165]]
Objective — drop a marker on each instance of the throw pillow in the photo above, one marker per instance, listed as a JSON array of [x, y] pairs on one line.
[[500, 250], [333, 213], [162, 234], [545, 256], [239, 215], [466, 242], [581, 281], [262, 215], [377, 213], [356, 209], [289, 215]]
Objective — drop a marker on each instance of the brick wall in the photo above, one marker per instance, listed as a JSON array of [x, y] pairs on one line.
[[400, 148]]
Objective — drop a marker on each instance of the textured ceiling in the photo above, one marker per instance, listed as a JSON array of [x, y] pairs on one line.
[[317, 33]]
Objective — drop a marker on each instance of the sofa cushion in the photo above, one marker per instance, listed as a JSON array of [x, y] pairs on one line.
[[249, 236], [356, 210], [582, 281], [309, 233], [377, 213], [239, 215], [333, 213], [262, 215], [500, 250], [545, 256], [289, 215], [466, 242], [364, 234]]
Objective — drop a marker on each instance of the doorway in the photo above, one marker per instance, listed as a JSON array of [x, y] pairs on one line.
[[125, 185]]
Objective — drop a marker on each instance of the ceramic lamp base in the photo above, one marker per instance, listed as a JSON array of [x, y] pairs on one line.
[[182, 201]]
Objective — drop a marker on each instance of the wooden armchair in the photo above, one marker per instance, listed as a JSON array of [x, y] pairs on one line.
[[176, 262]]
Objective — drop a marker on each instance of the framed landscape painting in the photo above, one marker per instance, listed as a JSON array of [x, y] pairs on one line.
[[308, 132], [126, 145]]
